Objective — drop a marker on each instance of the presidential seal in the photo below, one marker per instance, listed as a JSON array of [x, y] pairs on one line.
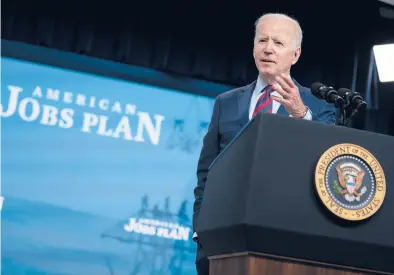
[[350, 182]]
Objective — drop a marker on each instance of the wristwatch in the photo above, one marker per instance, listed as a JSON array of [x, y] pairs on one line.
[[306, 111]]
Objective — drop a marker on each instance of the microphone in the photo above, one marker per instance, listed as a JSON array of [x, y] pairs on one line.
[[328, 94], [354, 102], [353, 99]]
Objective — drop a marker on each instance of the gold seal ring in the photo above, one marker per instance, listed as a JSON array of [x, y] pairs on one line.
[[350, 182]]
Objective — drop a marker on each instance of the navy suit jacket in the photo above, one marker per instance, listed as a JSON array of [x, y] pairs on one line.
[[230, 114]]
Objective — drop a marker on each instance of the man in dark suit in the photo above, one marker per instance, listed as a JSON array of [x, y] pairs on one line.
[[277, 46]]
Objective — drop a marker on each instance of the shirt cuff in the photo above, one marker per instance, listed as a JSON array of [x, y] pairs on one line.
[[308, 115]]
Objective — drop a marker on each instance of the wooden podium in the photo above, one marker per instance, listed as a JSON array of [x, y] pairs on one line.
[[249, 263], [262, 214]]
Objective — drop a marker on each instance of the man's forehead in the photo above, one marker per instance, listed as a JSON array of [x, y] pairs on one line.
[[276, 25], [283, 29]]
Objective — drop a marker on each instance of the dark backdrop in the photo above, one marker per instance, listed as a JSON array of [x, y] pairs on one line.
[[213, 40]]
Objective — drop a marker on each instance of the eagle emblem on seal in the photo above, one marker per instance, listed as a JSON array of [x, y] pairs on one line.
[[350, 177]]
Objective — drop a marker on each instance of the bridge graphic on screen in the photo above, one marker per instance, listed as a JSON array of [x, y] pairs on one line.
[[161, 239]]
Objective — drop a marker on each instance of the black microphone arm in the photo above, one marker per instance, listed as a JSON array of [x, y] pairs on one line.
[[354, 103], [353, 99], [347, 101], [328, 94]]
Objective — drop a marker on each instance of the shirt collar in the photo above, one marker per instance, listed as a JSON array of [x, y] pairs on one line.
[[260, 85]]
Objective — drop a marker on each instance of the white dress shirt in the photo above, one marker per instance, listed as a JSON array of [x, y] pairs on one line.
[[260, 85]]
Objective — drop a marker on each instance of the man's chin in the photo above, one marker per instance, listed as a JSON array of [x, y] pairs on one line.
[[268, 75]]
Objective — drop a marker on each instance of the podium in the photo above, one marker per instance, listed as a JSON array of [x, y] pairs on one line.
[[265, 210]]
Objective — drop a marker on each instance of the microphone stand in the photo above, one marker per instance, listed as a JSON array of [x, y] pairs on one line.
[[346, 114], [351, 106], [354, 113], [343, 116], [346, 122], [342, 109]]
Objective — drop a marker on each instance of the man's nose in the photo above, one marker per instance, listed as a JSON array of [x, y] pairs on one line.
[[268, 49]]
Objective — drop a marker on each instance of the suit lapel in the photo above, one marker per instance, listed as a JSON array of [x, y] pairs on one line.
[[282, 111], [244, 98]]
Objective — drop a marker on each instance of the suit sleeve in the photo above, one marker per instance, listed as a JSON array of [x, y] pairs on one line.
[[327, 114], [210, 150]]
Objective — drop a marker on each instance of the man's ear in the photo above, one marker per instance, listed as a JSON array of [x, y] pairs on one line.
[[297, 54]]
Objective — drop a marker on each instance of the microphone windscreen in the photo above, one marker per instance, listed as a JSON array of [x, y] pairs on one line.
[[315, 89], [343, 92]]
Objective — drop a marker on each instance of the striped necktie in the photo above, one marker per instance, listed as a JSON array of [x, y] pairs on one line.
[[264, 103]]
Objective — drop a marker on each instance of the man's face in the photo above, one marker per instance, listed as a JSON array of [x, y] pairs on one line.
[[275, 48]]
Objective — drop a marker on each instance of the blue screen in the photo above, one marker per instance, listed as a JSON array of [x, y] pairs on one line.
[[97, 173]]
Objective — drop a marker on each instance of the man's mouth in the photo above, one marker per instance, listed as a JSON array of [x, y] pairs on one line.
[[267, 61]]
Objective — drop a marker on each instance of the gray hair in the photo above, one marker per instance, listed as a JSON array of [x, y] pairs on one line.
[[298, 41]]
